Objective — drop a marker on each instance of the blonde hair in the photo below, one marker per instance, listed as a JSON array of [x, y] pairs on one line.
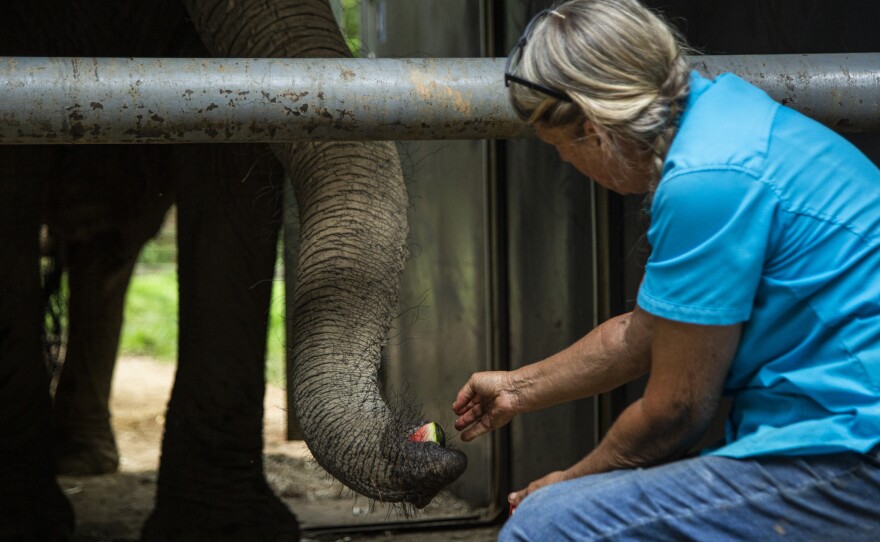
[[622, 66]]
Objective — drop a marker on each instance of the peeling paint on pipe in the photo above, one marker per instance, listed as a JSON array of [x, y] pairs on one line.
[[149, 100]]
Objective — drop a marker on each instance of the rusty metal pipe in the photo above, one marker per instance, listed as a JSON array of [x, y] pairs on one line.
[[116, 100]]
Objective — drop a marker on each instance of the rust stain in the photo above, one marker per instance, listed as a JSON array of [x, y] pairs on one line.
[[428, 90], [424, 86], [296, 96], [459, 102]]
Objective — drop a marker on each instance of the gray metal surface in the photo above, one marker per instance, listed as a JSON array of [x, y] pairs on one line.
[[116, 100]]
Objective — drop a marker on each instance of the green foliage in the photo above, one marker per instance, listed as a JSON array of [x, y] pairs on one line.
[[275, 363], [150, 325], [150, 319], [351, 25], [158, 252]]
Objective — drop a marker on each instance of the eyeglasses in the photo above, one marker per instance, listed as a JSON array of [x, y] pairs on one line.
[[516, 55]]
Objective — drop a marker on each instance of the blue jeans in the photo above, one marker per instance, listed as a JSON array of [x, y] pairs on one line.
[[827, 498]]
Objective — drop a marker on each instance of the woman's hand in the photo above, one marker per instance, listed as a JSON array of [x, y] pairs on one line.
[[517, 497], [488, 401]]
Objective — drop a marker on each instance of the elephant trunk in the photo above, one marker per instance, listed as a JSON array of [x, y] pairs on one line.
[[353, 205]]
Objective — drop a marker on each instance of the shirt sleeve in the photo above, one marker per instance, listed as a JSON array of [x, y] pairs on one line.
[[709, 235]]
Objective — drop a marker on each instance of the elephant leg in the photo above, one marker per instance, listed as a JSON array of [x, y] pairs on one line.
[[32, 506], [211, 484], [82, 399], [107, 203]]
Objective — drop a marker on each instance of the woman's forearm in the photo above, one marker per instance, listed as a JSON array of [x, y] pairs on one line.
[[638, 439], [612, 354], [689, 365]]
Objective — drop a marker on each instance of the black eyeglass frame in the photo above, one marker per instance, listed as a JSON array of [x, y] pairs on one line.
[[518, 48]]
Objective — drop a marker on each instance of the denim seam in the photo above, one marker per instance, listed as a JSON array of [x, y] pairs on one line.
[[753, 497]]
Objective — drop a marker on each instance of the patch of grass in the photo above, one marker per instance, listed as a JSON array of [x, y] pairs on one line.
[[159, 252], [275, 362], [150, 324]]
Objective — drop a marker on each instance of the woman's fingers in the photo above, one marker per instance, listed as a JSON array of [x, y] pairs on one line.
[[465, 399], [469, 417], [467, 407], [517, 497], [481, 427], [476, 406]]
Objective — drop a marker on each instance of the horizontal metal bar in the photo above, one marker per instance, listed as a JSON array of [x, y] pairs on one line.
[[841, 91], [143, 100], [103, 100]]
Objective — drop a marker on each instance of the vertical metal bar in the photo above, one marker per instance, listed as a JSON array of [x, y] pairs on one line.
[[496, 257]]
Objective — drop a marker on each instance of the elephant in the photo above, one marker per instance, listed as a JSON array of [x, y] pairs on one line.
[[352, 207], [97, 224]]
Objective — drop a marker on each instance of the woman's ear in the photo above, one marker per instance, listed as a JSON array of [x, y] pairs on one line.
[[589, 129], [591, 133]]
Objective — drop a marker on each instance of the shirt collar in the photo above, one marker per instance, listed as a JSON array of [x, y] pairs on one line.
[[697, 86]]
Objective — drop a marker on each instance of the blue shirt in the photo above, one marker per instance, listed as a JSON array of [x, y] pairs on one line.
[[766, 217]]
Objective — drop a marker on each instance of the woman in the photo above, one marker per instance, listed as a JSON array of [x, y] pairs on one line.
[[765, 237]]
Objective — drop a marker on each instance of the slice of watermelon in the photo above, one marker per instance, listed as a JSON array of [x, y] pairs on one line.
[[430, 432]]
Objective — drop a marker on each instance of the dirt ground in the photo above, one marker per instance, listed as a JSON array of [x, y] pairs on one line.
[[113, 507]]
